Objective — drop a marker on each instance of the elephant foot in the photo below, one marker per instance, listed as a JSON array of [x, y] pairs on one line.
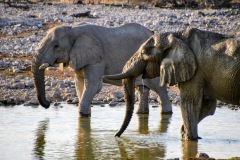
[[167, 113], [84, 115], [191, 139], [187, 137]]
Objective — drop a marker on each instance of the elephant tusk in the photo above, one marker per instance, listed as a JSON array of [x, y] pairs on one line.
[[44, 66]]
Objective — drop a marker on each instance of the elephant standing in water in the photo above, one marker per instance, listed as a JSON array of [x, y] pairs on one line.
[[205, 65], [93, 51]]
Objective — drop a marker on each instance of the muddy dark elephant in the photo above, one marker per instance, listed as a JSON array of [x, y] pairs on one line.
[[205, 65], [93, 51]]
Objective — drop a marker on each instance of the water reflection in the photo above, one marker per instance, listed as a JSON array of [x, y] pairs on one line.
[[40, 141], [132, 149], [143, 123], [189, 149], [61, 134], [144, 147], [165, 120], [84, 148]]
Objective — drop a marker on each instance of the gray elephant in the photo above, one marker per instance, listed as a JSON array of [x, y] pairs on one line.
[[93, 51], [204, 64]]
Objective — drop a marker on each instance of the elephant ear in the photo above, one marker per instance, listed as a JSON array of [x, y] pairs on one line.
[[179, 64], [85, 50]]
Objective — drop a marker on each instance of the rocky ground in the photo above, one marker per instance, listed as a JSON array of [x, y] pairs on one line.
[[22, 30]]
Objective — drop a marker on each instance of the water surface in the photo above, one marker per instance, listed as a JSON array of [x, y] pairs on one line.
[[58, 133]]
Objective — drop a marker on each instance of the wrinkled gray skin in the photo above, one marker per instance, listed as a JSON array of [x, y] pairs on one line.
[[205, 65], [93, 51]]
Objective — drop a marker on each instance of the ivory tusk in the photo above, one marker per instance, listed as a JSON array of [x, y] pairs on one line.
[[44, 66]]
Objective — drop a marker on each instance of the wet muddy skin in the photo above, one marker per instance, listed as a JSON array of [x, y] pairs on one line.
[[58, 133]]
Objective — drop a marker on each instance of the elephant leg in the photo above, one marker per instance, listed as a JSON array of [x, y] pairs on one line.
[[191, 99], [208, 108], [79, 83], [92, 85], [143, 93], [163, 98]]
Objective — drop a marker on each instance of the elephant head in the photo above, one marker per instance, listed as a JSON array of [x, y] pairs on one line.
[[63, 44], [162, 55]]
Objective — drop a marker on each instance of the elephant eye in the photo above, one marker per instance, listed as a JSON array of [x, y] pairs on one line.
[[55, 46]]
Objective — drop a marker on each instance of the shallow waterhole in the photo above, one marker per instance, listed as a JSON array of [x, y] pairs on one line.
[[58, 133]]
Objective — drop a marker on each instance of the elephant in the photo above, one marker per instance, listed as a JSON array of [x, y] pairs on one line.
[[92, 51], [205, 65]]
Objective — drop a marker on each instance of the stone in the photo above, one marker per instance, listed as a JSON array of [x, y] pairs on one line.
[[69, 101], [101, 98], [18, 78], [10, 101], [54, 82], [51, 68], [116, 95], [16, 70], [202, 156], [56, 93], [75, 100], [66, 74], [61, 84], [18, 85], [33, 102], [48, 88], [17, 100], [28, 68], [97, 102], [56, 104], [4, 22], [113, 103], [28, 62], [29, 83]]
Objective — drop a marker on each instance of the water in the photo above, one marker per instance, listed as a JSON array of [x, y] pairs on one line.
[[58, 133]]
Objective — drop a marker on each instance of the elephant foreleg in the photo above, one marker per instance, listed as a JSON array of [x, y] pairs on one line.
[[191, 99], [143, 92], [163, 98], [92, 85]]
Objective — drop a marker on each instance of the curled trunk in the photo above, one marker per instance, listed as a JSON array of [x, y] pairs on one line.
[[129, 95], [38, 75]]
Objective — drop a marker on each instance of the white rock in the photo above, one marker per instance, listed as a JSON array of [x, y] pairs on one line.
[[34, 101], [29, 83]]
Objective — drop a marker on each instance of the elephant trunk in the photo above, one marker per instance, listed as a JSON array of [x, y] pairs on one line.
[[129, 95], [38, 75], [133, 68]]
